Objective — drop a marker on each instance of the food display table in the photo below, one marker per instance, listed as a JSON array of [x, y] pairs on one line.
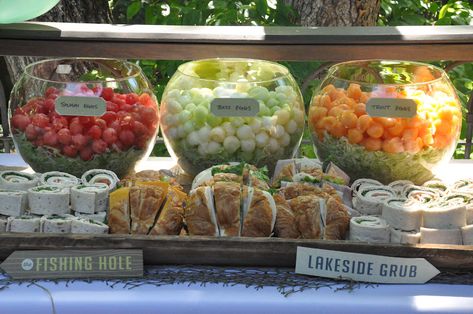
[[220, 296], [76, 296]]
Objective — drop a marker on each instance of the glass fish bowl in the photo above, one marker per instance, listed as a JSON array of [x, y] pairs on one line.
[[220, 110], [386, 120], [73, 115]]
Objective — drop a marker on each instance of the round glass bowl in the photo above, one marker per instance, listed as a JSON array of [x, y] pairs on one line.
[[386, 120], [73, 115], [219, 110]]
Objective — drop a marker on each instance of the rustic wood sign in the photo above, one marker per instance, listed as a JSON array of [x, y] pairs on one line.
[[48, 264], [363, 267]]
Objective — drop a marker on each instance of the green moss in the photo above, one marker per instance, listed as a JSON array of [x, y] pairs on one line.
[[357, 162], [43, 159]]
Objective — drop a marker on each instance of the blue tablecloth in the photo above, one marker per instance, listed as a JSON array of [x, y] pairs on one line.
[[99, 297]]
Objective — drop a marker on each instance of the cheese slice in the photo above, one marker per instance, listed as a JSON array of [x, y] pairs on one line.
[[119, 215]]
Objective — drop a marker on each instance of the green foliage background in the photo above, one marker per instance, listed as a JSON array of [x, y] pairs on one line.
[[275, 12]]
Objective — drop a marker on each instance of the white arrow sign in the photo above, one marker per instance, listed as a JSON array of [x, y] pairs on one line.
[[363, 267]]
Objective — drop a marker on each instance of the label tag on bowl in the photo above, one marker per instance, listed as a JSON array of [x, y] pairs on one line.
[[391, 107], [80, 106], [234, 107]]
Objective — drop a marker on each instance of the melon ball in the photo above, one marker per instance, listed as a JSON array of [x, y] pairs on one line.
[[277, 131], [170, 120], [172, 133], [291, 127], [204, 133], [193, 138], [184, 116], [245, 132], [284, 140], [202, 149], [229, 129], [190, 107], [185, 99], [283, 116], [273, 145], [237, 122], [299, 116], [231, 144], [173, 93], [261, 139], [213, 148], [217, 134], [188, 126], [255, 125], [248, 145]]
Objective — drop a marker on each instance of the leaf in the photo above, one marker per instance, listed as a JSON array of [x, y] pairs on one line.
[[444, 21], [133, 9], [261, 7], [151, 16], [443, 11], [412, 19]]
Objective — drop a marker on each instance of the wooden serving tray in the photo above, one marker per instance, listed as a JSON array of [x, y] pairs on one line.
[[271, 252]]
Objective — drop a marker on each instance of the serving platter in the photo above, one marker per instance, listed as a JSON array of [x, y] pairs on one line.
[[195, 250]]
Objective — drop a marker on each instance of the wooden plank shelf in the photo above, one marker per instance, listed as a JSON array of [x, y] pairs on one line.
[[271, 252], [275, 43]]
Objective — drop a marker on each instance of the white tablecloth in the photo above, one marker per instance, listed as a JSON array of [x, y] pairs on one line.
[[97, 297]]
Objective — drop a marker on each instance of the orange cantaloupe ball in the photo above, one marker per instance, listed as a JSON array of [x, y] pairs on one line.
[[371, 144], [364, 122], [360, 109], [343, 101], [364, 97], [349, 119], [387, 135], [413, 146], [316, 100], [328, 122], [446, 113], [443, 127], [327, 89], [338, 130], [326, 102], [440, 141], [319, 125], [354, 136], [336, 94], [385, 122], [354, 91], [345, 107], [393, 145], [413, 122], [317, 113], [410, 134], [335, 111], [397, 129], [375, 130]]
